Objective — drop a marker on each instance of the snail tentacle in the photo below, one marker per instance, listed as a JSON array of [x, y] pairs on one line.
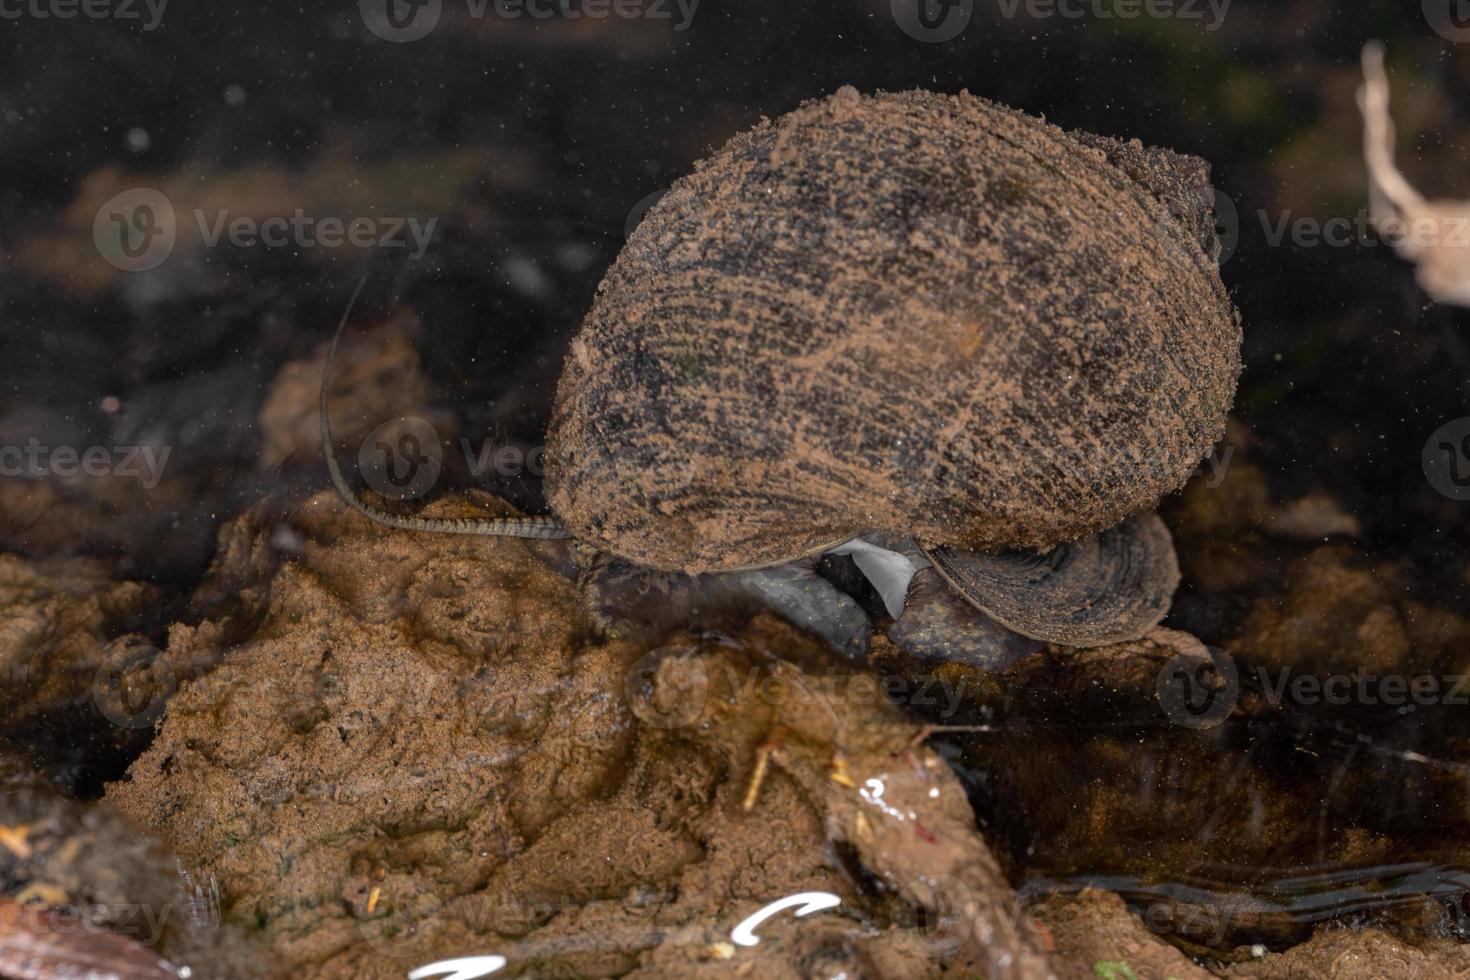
[[508, 527]]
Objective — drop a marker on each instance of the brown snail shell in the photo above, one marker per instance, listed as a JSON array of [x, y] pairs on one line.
[[913, 313]]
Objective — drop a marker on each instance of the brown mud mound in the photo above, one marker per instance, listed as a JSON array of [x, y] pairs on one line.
[[1096, 936], [1341, 954], [412, 748]]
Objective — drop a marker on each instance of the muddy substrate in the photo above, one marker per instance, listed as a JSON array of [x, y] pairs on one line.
[[407, 749], [384, 750]]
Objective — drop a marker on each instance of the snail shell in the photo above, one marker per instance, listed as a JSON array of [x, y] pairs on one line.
[[915, 313]]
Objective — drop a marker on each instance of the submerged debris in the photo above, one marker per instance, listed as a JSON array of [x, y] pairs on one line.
[[1434, 235]]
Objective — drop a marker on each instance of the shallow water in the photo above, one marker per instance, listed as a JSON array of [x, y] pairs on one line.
[[506, 160]]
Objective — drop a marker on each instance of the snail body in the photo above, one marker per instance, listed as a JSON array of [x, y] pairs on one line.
[[913, 315]]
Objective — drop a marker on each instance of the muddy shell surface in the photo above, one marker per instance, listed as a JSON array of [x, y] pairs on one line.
[[915, 313]]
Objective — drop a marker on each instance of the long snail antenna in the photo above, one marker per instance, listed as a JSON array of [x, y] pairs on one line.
[[508, 527]]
